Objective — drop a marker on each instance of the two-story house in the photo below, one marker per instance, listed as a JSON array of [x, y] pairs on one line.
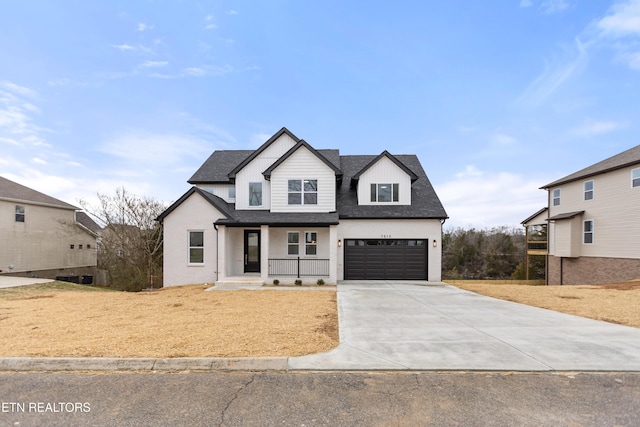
[[593, 220], [42, 236], [289, 211]]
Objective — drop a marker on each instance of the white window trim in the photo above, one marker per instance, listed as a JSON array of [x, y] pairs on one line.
[[302, 192], [637, 171], [291, 244], [189, 247], [378, 184], [261, 195], [310, 244], [553, 197], [592, 191], [584, 233]]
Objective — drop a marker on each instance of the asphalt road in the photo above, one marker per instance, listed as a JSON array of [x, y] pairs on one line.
[[319, 399]]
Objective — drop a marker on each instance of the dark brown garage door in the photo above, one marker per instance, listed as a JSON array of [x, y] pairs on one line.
[[389, 259]]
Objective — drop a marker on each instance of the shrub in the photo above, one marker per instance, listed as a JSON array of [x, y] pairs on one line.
[[276, 282], [298, 282], [320, 282]]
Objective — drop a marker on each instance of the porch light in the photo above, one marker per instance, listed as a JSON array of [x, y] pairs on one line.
[[339, 243], [435, 243]]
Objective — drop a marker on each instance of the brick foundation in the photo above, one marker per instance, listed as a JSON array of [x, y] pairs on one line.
[[592, 271]]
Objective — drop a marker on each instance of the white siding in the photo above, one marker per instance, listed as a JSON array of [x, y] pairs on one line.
[[194, 214], [253, 173], [303, 165], [614, 209], [384, 172], [430, 229], [43, 241], [220, 190]]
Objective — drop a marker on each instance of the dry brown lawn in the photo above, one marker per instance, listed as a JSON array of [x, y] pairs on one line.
[[615, 302], [66, 320]]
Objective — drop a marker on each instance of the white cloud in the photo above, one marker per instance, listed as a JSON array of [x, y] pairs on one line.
[[490, 199], [143, 27], [623, 20], [593, 128], [203, 71], [17, 126], [257, 139], [526, 3], [39, 161], [210, 27], [550, 7], [155, 151], [503, 139], [17, 89], [554, 76], [153, 64], [123, 47]]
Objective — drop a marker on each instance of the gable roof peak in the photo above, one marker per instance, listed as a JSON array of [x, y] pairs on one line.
[[385, 153], [263, 147], [299, 144]]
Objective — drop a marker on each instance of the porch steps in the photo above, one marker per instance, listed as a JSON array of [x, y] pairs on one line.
[[240, 281]]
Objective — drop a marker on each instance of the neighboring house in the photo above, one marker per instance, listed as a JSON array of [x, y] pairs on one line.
[[43, 236], [594, 223], [287, 211]]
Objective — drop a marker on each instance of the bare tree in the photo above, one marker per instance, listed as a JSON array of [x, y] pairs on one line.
[[130, 248]]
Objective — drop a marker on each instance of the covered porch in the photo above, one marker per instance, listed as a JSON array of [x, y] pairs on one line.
[[252, 253]]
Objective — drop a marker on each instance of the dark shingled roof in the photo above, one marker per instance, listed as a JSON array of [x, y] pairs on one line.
[[216, 169], [626, 158], [222, 166], [424, 200], [86, 221], [10, 190], [567, 215]]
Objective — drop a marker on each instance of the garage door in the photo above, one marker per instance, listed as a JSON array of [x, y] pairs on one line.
[[388, 259]]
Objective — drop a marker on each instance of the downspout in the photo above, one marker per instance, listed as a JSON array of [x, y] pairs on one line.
[[217, 251], [546, 257]]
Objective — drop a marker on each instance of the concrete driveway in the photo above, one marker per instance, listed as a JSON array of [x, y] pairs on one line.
[[435, 326], [11, 282]]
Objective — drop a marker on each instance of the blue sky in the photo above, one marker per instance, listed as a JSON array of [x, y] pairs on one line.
[[497, 98]]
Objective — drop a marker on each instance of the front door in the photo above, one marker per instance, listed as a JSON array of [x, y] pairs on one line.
[[251, 251]]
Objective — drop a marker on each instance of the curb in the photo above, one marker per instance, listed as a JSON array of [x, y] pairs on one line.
[[143, 364]]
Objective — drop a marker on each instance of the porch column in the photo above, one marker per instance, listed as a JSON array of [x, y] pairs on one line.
[[264, 252], [333, 254], [222, 253]]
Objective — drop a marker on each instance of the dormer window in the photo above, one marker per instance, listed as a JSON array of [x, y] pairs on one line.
[[303, 191], [384, 193]]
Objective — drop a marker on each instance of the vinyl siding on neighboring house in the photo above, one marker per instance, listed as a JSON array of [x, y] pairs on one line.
[[252, 172], [384, 171], [302, 164], [43, 241], [614, 209]]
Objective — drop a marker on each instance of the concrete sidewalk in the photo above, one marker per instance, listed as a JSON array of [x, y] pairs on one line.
[[421, 326], [11, 282], [434, 326]]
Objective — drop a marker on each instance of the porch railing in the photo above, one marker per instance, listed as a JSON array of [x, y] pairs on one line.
[[298, 267]]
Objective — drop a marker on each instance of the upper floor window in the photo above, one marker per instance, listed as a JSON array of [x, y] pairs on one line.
[[196, 247], [635, 177], [19, 213], [556, 197], [310, 243], [303, 191], [231, 195], [588, 232], [293, 243], [255, 194], [588, 190], [385, 192]]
